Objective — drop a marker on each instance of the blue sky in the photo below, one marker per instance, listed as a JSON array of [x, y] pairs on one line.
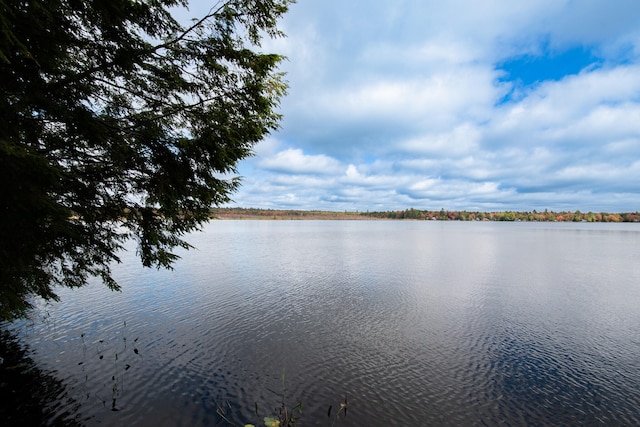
[[458, 104]]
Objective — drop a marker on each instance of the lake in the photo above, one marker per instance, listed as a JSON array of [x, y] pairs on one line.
[[415, 322]]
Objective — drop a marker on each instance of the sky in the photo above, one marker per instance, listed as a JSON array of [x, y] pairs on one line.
[[458, 105]]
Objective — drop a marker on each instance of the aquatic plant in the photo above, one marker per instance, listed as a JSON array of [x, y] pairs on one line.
[[284, 416]]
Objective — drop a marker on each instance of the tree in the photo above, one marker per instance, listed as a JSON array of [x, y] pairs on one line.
[[119, 122]]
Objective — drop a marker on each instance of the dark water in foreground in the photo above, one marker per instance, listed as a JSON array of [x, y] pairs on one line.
[[418, 323]]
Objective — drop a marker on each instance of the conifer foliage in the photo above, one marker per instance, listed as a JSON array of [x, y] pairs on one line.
[[117, 122]]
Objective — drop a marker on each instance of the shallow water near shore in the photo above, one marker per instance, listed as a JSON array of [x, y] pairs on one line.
[[416, 322]]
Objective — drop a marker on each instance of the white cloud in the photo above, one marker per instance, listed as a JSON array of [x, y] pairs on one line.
[[267, 147], [400, 104], [353, 177], [436, 102], [433, 54], [295, 161], [437, 188], [460, 141], [593, 108]]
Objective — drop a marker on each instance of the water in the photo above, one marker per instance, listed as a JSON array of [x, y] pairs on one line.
[[416, 323]]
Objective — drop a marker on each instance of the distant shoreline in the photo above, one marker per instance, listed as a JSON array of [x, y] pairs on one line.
[[417, 214]]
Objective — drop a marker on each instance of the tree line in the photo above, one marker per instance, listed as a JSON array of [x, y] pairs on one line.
[[418, 214], [545, 216]]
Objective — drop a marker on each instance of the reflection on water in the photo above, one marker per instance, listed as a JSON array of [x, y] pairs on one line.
[[30, 396], [418, 323]]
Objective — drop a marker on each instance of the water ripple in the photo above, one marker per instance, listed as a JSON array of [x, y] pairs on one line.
[[416, 324]]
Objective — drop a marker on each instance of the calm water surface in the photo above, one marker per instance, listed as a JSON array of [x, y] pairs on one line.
[[417, 323]]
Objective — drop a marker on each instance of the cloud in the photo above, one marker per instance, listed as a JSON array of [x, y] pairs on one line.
[[425, 104], [433, 98], [456, 142], [294, 161], [437, 190]]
